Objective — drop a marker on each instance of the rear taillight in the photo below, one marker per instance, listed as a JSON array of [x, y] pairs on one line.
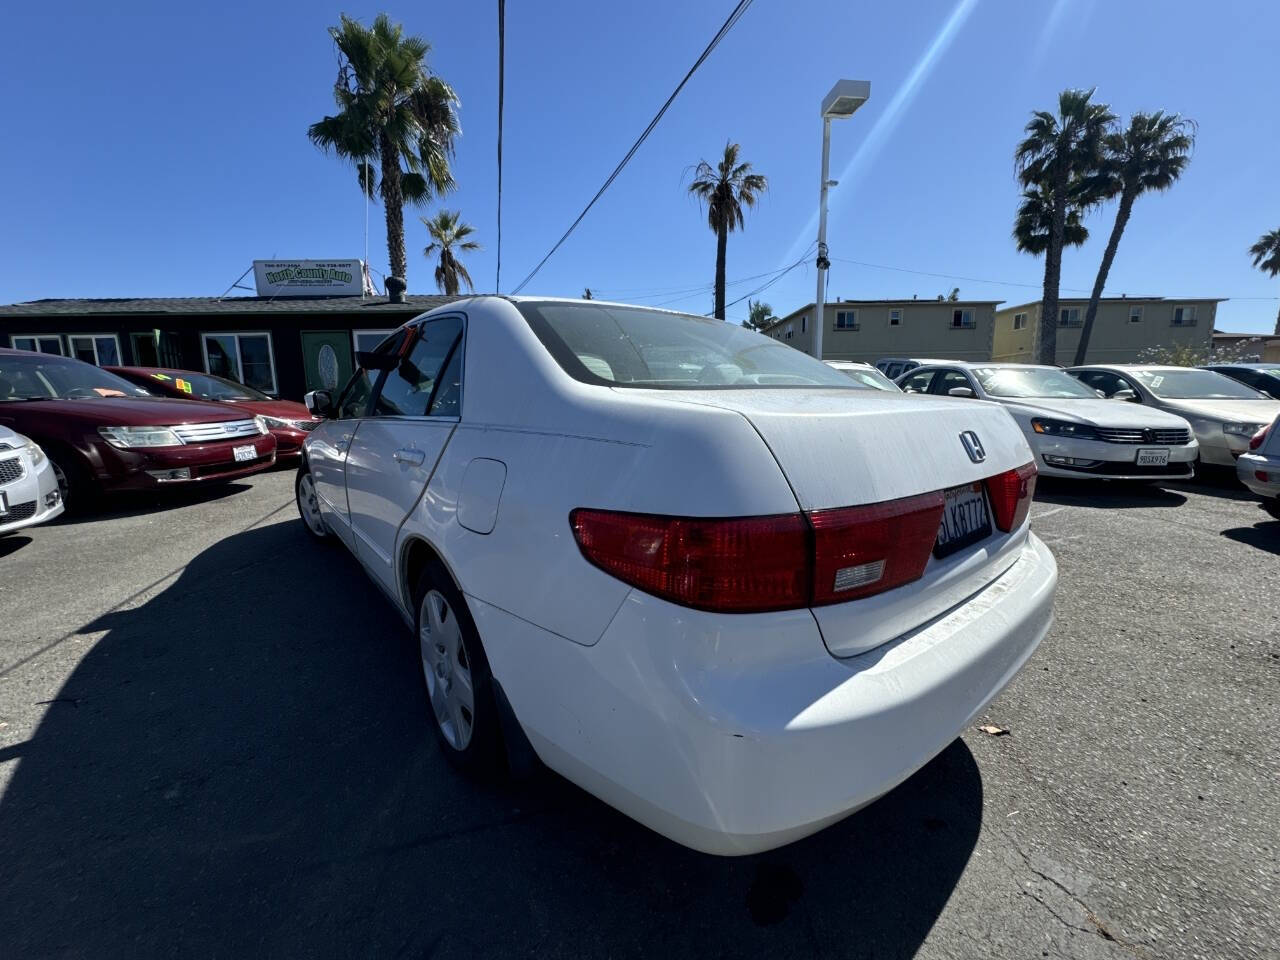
[[742, 565], [785, 561], [1010, 494], [859, 551], [1256, 441]]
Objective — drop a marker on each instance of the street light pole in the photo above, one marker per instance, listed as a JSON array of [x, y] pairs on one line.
[[845, 98]]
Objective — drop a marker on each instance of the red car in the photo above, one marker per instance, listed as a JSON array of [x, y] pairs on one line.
[[288, 422], [103, 433]]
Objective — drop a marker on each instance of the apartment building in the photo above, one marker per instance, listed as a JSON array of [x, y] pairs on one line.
[[868, 330], [1125, 328]]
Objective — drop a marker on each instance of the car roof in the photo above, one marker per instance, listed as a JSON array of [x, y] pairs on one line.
[[986, 365], [1128, 367]]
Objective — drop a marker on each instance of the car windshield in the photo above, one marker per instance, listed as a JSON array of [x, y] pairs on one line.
[[203, 386], [869, 377], [1190, 384], [38, 376], [634, 347], [1032, 382]]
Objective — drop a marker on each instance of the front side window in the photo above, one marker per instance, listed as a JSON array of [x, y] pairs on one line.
[[353, 403], [846, 319], [1069, 317], [409, 389], [1031, 382], [961, 319], [1108, 383], [917, 382], [636, 347], [950, 379], [37, 377], [1186, 383], [102, 350], [244, 357], [37, 344]]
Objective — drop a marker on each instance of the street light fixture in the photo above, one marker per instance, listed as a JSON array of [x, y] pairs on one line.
[[840, 104]]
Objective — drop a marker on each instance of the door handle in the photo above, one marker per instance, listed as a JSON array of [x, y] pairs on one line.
[[405, 455]]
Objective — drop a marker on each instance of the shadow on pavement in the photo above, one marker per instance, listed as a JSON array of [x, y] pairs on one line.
[[242, 767], [1265, 536], [1214, 481], [12, 543], [136, 504], [1105, 494]]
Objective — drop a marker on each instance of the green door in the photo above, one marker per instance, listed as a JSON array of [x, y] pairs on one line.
[[326, 358]]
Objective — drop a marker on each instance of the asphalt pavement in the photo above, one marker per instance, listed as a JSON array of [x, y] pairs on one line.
[[213, 744]]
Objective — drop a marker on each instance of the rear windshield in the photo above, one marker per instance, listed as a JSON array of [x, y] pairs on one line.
[[1191, 384], [635, 347], [38, 376]]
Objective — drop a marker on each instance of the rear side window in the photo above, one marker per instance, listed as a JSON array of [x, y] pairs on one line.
[[410, 387], [634, 347], [917, 382]]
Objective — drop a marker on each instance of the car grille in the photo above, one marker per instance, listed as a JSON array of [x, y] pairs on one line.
[[1173, 437], [213, 432], [10, 470], [19, 511]]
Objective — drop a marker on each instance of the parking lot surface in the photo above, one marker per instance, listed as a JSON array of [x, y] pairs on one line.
[[213, 743]]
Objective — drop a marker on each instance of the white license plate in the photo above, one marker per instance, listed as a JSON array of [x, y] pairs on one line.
[[1153, 458], [245, 453], [964, 519]]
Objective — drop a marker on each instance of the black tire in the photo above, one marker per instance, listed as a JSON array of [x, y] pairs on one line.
[[80, 492], [308, 507], [476, 746], [1272, 507]]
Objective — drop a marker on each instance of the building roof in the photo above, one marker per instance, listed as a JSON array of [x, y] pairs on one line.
[[898, 302], [137, 306], [1074, 300]]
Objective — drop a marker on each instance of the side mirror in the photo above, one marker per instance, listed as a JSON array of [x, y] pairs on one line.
[[960, 392], [320, 403], [1126, 394], [1101, 393]]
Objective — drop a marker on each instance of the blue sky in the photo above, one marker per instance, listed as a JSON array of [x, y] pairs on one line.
[[155, 150]]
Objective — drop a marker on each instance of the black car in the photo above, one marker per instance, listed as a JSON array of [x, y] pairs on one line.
[[1263, 377]]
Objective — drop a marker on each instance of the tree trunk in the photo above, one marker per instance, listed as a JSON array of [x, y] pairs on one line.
[[393, 205], [722, 244], [1108, 255], [1278, 323], [1047, 352]]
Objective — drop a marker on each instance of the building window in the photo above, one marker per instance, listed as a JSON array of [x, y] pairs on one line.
[[102, 349], [244, 357], [804, 322], [1019, 321], [366, 341], [895, 318], [961, 319], [1135, 314], [786, 333], [1184, 316], [37, 343], [1069, 317], [846, 319]]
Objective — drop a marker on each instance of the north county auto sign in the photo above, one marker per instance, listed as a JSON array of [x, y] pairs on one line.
[[307, 278]]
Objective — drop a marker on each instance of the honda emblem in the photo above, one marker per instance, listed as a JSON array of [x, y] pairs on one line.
[[973, 446]]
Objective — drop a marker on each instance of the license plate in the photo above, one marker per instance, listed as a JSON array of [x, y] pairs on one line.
[[245, 453], [964, 519], [1153, 458]]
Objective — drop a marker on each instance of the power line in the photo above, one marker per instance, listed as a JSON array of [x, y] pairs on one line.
[[647, 293], [737, 13], [502, 57], [765, 286], [948, 276]]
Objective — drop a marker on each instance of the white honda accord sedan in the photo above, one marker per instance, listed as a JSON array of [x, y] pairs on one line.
[[1071, 429], [711, 580]]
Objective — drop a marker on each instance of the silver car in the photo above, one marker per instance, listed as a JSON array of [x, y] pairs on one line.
[[28, 486], [1224, 413]]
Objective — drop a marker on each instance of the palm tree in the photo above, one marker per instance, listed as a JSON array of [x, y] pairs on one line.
[[449, 236], [1058, 154], [1266, 257], [395, 122], [1034, 222], [726, 188], [1150, 155], [759, 315]]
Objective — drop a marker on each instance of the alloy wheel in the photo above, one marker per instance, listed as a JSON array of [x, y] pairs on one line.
[[447, 669], [309, 506]]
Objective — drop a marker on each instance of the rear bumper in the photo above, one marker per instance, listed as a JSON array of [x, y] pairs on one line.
[[207, 462], [1111, 461], [1248, 468], [735, 734]]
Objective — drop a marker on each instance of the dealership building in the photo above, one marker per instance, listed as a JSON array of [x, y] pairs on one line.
[[299, 333]]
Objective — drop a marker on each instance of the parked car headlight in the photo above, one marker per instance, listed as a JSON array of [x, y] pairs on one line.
[[262, 422], [127, 437], [1064, 428], [283, 423], [32, 448], [1242, 429]]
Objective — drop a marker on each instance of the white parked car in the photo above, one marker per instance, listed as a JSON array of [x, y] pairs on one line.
[[1259, 467], [1224, 413], [1072, 431], [28, 485], [699, 573], [863, 373]]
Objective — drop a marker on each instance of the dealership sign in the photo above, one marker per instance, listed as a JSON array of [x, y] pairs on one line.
[[308, 278]]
